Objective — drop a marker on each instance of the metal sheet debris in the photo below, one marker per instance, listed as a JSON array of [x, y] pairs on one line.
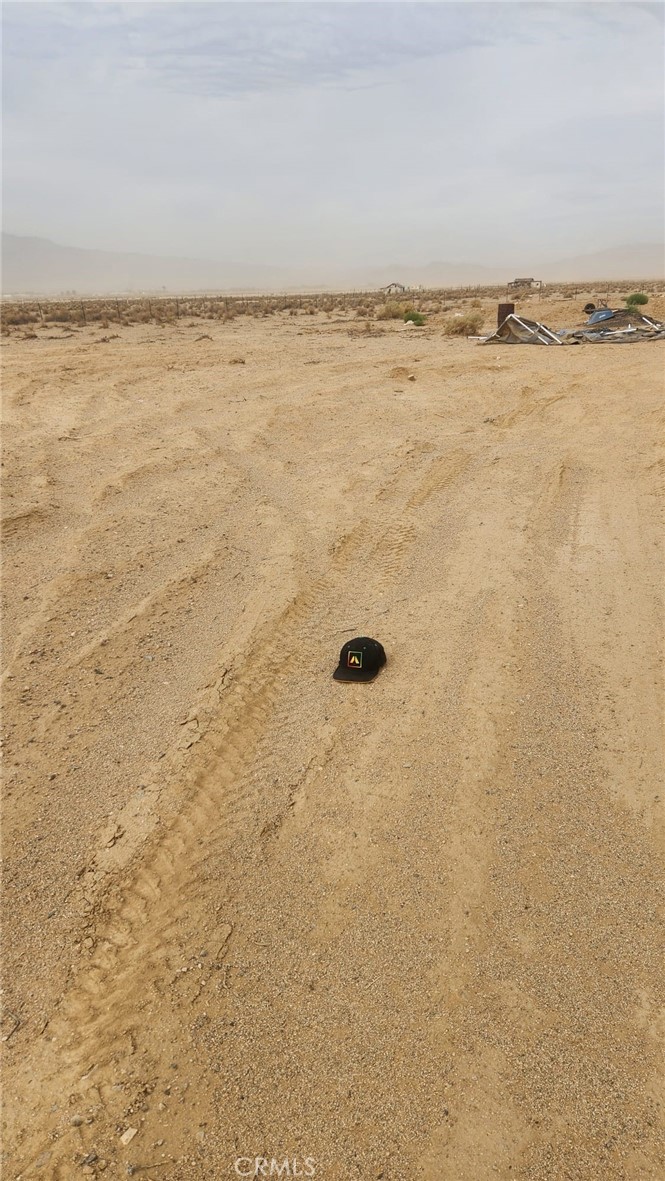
[[517, 330]]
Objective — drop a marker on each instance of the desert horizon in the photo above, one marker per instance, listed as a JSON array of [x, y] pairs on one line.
[[36, 266]]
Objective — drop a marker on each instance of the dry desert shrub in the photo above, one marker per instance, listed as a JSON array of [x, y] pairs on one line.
[[59, 315], [20, 316], [392, 311], [468, 325]]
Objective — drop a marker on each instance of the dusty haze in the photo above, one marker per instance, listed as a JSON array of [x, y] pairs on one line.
[[332, 141], [36, 266]]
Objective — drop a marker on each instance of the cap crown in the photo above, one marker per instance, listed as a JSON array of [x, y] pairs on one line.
[[360, 659]]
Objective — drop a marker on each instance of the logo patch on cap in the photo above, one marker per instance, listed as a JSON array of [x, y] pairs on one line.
[[354, 660]]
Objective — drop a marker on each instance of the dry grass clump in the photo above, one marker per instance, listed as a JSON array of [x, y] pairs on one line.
[[393, 311], [468, 325], [13, 317]]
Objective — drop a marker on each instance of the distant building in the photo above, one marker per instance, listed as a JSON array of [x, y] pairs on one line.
[[394, 289], [520, 284]]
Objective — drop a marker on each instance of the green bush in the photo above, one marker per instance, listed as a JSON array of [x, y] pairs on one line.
[[637, 299], [415, 318]]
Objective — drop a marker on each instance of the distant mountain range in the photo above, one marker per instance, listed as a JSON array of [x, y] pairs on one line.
[[37, 266]]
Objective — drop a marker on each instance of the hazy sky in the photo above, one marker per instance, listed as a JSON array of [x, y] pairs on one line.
[[352, 133]]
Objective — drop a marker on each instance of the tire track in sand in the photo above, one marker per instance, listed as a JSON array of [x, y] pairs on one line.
[[139, 930], [563, 966]]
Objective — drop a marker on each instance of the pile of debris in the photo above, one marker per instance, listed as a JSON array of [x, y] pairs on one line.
[[616, 327], [603, 326], [518, 330]]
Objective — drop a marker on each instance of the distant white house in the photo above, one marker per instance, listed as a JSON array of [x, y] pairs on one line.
[[394, 289], [520, 284]]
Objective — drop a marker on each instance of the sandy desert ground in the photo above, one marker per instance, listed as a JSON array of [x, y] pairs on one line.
[[410, 929]]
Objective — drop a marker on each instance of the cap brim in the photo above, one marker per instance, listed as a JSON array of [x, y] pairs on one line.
[[342, 673]]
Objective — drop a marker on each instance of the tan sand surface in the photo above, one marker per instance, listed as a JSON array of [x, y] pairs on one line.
[[407, 929]]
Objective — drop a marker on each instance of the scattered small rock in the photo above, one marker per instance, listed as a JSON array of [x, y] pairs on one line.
[[128, 1136]]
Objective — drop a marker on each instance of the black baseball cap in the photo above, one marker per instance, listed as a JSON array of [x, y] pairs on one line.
[[360, 660]]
